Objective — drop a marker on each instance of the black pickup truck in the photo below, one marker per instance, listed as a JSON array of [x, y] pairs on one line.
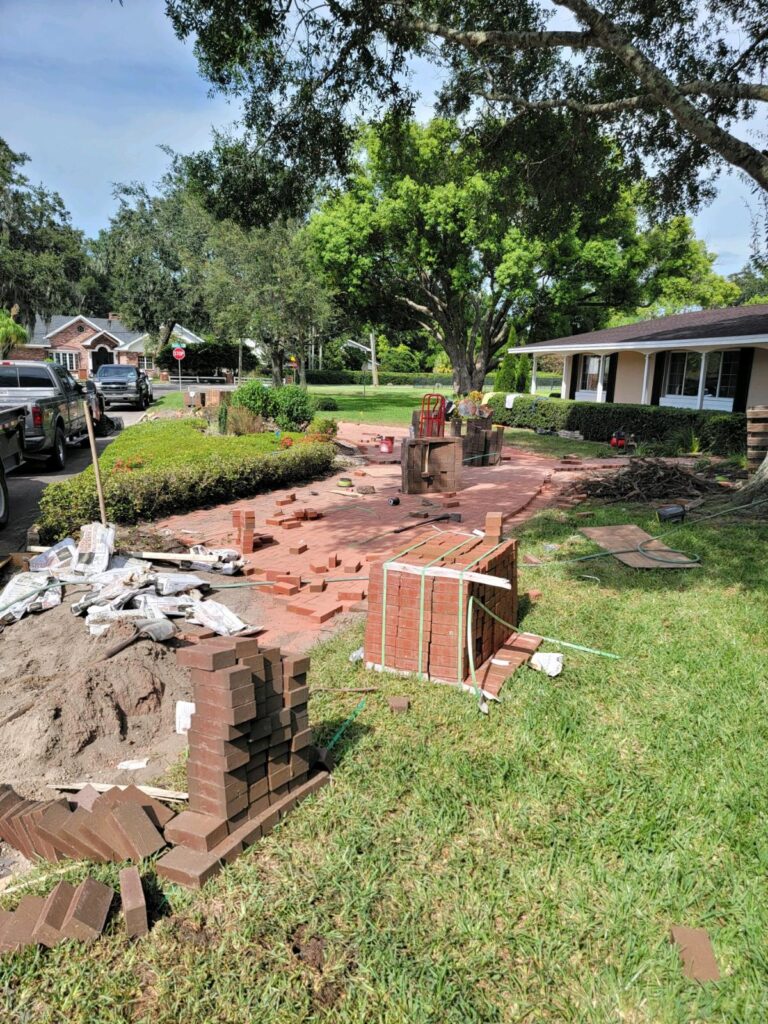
[[11, 450]]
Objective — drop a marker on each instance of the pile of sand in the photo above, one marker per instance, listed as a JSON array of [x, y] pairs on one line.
[[66, 716]]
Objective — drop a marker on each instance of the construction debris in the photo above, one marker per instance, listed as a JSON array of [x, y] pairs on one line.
[[645, 480], [638, 549], [696, 953]]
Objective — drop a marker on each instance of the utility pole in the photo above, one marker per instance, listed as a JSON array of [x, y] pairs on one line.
[[374, 367]]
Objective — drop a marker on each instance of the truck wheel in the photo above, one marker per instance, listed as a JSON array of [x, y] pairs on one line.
[[58, 458], [5, 509]]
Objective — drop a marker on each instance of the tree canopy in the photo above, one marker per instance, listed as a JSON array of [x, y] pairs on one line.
[[42, 258], [673, 78], [422, 228]]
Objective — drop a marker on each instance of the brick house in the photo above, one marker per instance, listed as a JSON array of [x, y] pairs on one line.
[[84, 343]]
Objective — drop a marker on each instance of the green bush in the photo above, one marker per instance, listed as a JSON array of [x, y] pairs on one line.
[[400, 359], [323, 425], [324, 403], [164, 467], [514, 374], [292, 407], [330, 377], [253, 396], [720, 434]]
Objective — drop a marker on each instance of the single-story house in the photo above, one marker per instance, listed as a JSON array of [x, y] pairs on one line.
[[712, 359], [84, 343]]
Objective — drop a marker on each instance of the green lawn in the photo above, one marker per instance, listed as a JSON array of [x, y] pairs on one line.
[[170, 400], [520, 867], [549, 444]]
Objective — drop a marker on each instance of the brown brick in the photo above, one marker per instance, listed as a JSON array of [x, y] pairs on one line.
[[199, 832], [225, 698], [206, 657], [85, 798], [74, 832], [300, 740], [230, 848], [295, 698], [258, 789], [221, 762], [227, 716], [245, 646], [298, 549], [232, 678], [216, 729], [48, 930], [134, 903], [218, 806], [157, 811], [255, 662], [398, 705], [279, 776], [137, 830], [294, 665], [49, 826], [247, 832], [88, 911], [186, 867], [19, 929]]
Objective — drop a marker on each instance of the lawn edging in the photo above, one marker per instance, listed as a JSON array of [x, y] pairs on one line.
[[157, 469]]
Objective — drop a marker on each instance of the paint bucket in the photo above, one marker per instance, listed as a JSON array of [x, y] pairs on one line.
[[387, 445]]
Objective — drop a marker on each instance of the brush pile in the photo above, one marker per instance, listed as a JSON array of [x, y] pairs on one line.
[[646, 480]]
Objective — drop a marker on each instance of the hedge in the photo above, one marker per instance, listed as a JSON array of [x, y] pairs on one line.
[[162, 468], [718, 433], [364, 377]]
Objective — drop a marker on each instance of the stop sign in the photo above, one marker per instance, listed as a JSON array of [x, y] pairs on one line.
[[179, 353]]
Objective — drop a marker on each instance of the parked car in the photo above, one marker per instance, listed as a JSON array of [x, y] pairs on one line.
[[11, 450], [122, 385], [54, 404]]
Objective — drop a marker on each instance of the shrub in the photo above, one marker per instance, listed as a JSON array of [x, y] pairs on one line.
[[324, 403], [514, 374], [292, 407], [422, 379], [718, 433], [242, 421], [163, 467], [400, 359], [254, 397], [323, 425]]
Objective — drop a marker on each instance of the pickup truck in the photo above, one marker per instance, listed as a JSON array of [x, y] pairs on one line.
[[54, 405], [11, 450]]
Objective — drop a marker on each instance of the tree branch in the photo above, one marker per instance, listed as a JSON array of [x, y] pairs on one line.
[[511, 40], [726, 90]]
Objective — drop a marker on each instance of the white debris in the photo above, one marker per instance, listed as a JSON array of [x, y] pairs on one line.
[[228, 561], [217, 617], [157, 607], [59, 558], [178, 582], [552, 664], [133, 766], [184, 711], [101, 617], [28, 592], [95, 549]]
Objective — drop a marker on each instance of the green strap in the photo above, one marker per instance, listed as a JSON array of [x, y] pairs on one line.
[[344, 725], [439, 558]]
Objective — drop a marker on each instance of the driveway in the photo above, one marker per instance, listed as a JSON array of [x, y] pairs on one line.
[[25, 485]]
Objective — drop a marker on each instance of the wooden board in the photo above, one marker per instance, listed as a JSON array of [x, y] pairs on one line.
[[618, 539]]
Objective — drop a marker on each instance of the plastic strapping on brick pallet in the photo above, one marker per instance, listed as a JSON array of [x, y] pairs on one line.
[[460, 638], [385, 566]]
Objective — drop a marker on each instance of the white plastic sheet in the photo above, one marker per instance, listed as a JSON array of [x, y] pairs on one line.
[[217, 617], [28, 592], [552, 664], [95, 549]]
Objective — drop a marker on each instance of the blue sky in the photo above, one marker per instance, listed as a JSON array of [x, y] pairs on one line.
[[91, 89]]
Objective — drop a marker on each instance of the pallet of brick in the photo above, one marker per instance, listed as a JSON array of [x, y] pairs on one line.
[[250, 753], [431, 464], [418, 602]]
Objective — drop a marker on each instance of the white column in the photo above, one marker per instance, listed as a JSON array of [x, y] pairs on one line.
[[565, 387], [600, 384], [702, 376], [533, 374], [644, 399]]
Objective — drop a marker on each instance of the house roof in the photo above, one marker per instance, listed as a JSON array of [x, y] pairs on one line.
[[738, 324], [43, 329]]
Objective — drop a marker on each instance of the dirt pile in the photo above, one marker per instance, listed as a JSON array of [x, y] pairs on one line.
[[66, 715]]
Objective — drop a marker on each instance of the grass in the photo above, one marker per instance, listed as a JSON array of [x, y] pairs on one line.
[[520, 867], [171, 400]]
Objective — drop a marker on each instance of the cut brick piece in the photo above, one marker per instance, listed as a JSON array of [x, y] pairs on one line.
[[351, 594], [199, 832], [352, 565], [696, 953], [533, 595], [134, 903], [398, 705], [88, 911], [298, 549], [290, 524], [318, 567], [333, 560], [137, 830], [189, 868], [48, 930], [285, 589], [317, 586]]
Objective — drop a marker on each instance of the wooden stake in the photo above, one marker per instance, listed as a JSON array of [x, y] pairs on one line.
[[95, 458]]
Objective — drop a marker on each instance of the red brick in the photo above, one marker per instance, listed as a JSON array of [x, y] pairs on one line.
[[318, 567], [225, 679], [88, 911], [19, 929], [223, 698], [209, 655], [48, 929], [86, 797], [290, 524], [353, 594], [189, 868], [285, 589], [227, 716], [199, 832], [326, 610], [134, 903], [298, 549], [333, 560], [317, 586], [217, 806]]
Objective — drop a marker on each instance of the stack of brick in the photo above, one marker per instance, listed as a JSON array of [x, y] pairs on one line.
[[292, 520], [121, 824], [424, 619], [248, 540], [431, 464], [482, 443], [250, 753]]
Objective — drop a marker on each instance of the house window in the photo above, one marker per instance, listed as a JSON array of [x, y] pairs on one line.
[[145, 363], [589, 373], [684, 369], [69, 360]]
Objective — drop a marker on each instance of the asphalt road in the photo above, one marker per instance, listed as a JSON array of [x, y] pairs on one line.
[[26, 484]]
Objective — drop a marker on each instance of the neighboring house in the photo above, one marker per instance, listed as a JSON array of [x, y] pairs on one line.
[[84, 343], [713, 359]]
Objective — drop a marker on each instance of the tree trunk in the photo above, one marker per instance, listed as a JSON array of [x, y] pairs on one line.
[[302, 369], [276, 360], [756, 488], [165, 332], [374, 365]]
